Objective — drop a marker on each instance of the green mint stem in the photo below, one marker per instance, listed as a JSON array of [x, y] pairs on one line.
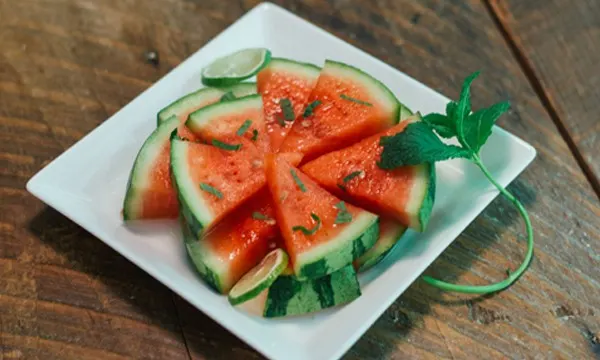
[[513, 276]]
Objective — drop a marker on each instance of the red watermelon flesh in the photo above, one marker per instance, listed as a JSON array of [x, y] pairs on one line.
[[353, 106], [284, 79], [238, 242], [150, 193], [405, 194], [239, 118], [333, 245], [211, 181]]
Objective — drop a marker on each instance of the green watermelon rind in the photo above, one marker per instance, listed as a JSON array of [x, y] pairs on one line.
[[381, 249], [359, 236], [205, 116], [405, 112], [296, 67], [423, 197], [206, 265], [335, 289], [377, 89], [191, 198], [291, 296], [196, 99], [429, 197], [142, 165]]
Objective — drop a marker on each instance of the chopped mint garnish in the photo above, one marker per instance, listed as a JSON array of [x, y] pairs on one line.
[[280, 119], [226, 146], [310, 108], [245, 126], [211, 190], [287, 109], [351, 176], [259, 216], [343, 215], [298, 181], [346, 97], [309, 231]]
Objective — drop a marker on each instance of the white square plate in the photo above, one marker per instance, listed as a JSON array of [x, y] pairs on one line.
[[93, 197]]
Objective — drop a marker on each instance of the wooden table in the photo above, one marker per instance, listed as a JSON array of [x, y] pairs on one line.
[[67, 65]]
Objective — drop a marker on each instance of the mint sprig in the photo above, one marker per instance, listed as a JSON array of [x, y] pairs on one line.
[[418, 144]]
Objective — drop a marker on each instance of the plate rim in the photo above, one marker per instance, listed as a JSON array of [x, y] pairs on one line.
[[39, 189]]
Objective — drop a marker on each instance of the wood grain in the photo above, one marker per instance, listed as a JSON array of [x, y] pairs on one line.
[[557, 41], [67, 65]]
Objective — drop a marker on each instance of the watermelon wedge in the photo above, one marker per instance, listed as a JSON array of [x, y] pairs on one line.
[[320, 233], [390, 231], [353, 105], [406, 194], [150, 194], [289, 295], [237, 243], [241, 117], [284, 79], [211, 181], [189, 103]]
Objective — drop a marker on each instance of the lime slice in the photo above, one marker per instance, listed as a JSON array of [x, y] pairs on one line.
[[259, 278], [233, 68]]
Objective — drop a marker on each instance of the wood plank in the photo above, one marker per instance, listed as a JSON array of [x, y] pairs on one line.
[[67, 65], [556, 41]]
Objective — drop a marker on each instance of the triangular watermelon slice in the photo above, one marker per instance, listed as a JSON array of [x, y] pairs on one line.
[[390, 232], [406, 194], [191, 102], [242, 117], [321, 233], [352, 105], [150, 194], [212, 181], [284, 79], [237, 243]]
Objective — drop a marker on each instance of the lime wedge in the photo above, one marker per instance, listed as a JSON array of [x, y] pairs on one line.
[[235, 67], [259, 278]]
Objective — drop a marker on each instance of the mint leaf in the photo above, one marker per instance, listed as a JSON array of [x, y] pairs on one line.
[[211, 190], [478, 126], [297, 180], [245, 126], [343, 215], [463, 108], [417, 144], [442, 124], [351, 176], [311, 108], [306, 231], [226, 146], [260, 216], [288, 110], [451, 109], [355, 100]]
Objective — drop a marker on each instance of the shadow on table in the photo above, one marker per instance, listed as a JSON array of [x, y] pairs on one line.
[[129, 292], [137, 295], [408, 311]]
